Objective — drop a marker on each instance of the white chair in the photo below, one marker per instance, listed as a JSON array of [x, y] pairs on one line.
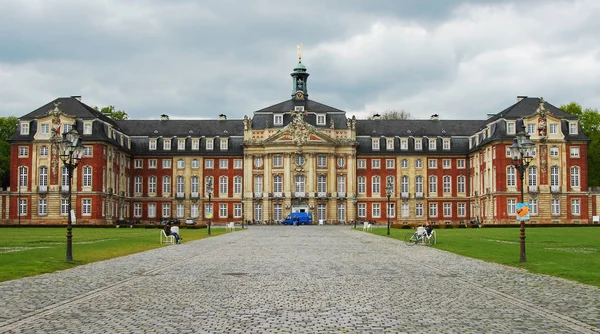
[[230, 227], [365, 225], [166, 239], [370, 227], [321, 222]]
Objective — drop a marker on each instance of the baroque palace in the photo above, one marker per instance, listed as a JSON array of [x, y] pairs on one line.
[[299, 155]]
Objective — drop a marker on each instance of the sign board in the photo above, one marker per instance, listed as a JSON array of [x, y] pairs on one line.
[[522, 211], [209, 213], [596, 219], [73, 218]]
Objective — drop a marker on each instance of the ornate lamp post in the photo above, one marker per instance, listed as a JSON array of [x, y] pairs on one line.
[[520, 151], [355, 202], [209, 190], [71, 151], [242, 210], [388, 190]]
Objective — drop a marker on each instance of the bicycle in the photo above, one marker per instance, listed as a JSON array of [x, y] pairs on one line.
[[420, 235]]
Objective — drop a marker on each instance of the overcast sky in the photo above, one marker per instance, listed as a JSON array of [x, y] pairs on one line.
[[199, 59]]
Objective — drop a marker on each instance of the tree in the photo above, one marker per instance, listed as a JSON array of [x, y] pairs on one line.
[[392, 114], [8, 126], [110, 111], [589, 120]]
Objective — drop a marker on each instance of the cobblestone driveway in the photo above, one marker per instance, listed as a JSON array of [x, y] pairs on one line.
[[315, 279]]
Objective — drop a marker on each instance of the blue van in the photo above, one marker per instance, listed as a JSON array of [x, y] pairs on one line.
[[300, 218]]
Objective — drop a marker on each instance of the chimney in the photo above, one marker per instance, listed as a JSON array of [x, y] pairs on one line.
[[76, 97], [435, 117], [164, 117], [376, 117], [222, 117], [520, 97]]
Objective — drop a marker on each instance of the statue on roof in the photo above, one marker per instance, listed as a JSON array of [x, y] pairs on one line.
[[331, 123], [299, 47]]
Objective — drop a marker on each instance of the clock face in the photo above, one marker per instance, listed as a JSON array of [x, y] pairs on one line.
[[299, 95], [300, 160]]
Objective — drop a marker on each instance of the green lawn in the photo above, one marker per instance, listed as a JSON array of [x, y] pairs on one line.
[[569, 252], [29, 251]]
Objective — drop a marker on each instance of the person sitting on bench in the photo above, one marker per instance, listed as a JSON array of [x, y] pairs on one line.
[[174, 231]]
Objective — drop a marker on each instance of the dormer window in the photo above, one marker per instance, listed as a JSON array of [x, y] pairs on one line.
[[553, 129], [375, 144], [432, 144], [418, 144], [573, 128], [446, 144], [180, 144], [209, 144], [531, 128], [321, 120], [67, 128], [277, 119], [195, 144], [404, 144], [87, 128], [510, 128], [25, 128], [224, 144], [389, 144], [167, 144], [152, 144]]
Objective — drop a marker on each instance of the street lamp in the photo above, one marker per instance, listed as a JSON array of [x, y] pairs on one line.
[[242, 210], [520, 152], [355, 201], [388, 190], [209, 190], [71, 151]]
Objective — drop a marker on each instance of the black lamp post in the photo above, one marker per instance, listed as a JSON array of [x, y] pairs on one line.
[[355, 201], [209, 190], [520, 151], [388, 190], [71, 151], [242, 210]]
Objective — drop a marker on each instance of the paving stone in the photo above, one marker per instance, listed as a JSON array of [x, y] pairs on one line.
[[307, 279]]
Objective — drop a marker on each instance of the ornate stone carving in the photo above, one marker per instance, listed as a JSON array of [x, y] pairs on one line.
[[541, 111], [300, 130]]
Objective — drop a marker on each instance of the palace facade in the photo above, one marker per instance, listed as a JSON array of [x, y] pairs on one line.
[[299, 155]]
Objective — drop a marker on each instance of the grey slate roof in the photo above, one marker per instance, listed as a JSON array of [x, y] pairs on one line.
[[309, 105], [527, 107], [183, 128], [417, 127], [70, 106], [263, 116]]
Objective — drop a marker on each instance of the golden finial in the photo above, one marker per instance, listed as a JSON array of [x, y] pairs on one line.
[[299, 47]]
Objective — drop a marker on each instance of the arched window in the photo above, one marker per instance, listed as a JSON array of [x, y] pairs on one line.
[[419, 184], [87, 176], [137, 185], [447, 184], [43, 176], [404, 184], [575, 177], [554, 176], [532, 176], [511, 178], [180, 184], [152, 184], [376, 183], [166, 185], [433, 184], [223, 183], [460, 184], [23, 176]]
